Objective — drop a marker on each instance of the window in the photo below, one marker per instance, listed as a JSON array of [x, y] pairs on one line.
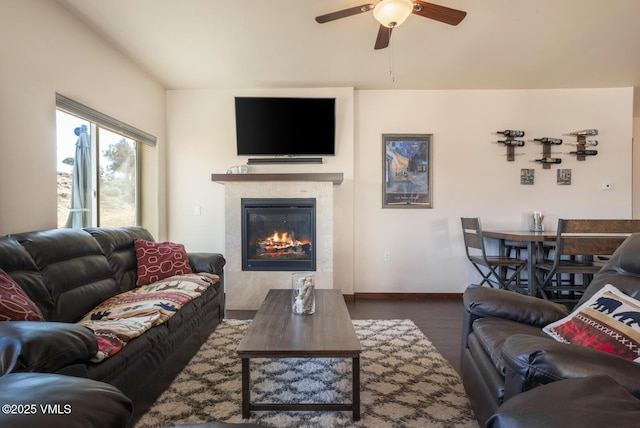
[[98, 178]]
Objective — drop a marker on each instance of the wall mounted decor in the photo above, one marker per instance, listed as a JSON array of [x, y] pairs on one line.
[[527, 176], [581, 151], [511, 145], [564, 177], [407, 171], [584, 133], [546, 159], [510, 141], [511, 133], [588, 143]]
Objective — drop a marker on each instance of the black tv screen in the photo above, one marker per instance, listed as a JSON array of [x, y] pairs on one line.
[[285, 126]]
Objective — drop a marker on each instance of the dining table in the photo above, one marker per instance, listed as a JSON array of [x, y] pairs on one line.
[[534, 241]]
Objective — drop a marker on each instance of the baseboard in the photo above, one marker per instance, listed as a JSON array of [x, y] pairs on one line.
[[403, 296]]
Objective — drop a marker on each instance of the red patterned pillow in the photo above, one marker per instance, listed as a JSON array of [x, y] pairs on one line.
[[160, 260], [609, 321], [15, 305]]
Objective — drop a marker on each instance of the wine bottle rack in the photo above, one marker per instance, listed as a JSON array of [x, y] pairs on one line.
[[547, 160], [581, 149], [581, 146], [511, 143], [582, 152]]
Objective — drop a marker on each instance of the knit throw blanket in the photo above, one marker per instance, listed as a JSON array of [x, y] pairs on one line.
[[126, 316]]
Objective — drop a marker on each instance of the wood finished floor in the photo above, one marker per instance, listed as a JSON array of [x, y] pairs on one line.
[[439, 319]]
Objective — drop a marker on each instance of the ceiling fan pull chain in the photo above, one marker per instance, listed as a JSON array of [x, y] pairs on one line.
[[392, 73]]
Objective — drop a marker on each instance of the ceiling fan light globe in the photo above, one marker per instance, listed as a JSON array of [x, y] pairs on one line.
[[392, 13]]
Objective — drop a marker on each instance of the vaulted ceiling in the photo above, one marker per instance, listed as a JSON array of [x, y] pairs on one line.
[[501, 44]]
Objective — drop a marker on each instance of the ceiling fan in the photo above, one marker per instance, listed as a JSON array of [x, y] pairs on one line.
[[391, 13]]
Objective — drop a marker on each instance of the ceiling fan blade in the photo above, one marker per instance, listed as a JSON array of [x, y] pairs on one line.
[[384, 35], [344, 13], [438, 13]]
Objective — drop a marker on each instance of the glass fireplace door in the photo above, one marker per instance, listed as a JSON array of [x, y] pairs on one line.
[[278, 234]]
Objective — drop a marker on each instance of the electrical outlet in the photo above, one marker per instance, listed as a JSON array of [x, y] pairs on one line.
[[197, 210], [387, 256]]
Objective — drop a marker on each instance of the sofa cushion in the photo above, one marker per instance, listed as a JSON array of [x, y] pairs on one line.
[[117, 245], [192, 308], [137, 349], [43, 346], [492, 333], [18, 264], [15, 305], [496, 303], [74, 270], [609, 321], [160, 260]]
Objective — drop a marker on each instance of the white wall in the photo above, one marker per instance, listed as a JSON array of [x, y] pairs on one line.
[[472, 177], [471, 174], [45, 50]]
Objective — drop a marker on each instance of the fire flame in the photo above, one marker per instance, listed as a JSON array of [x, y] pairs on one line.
[[283, 239], [282, 244]]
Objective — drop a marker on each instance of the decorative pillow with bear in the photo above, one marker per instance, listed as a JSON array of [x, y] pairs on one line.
[[15, 305], [609, 322], [160, 260]]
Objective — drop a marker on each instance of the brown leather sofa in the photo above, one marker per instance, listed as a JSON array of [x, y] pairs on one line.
[[67, 272], [505, 352]]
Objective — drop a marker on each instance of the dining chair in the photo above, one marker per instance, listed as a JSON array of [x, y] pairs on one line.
[[500, 271], [581, 248]]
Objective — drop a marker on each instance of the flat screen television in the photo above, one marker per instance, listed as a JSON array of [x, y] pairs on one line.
[[285, 126]]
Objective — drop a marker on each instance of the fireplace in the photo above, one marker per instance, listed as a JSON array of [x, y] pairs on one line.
[[278, 234]]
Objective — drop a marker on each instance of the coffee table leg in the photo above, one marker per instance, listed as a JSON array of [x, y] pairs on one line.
[[356, 388], [246, 391]]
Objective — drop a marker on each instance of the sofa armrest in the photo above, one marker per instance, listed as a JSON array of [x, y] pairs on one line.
[[207, 262], [593, 401], [533, 360], [492, 302], [73, 402], [29, 346]]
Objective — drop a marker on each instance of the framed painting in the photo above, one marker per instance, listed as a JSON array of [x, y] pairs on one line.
[[527, 176], [564, 177], [407, 171]]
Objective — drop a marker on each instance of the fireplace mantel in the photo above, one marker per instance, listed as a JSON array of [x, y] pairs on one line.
[[335, 177]]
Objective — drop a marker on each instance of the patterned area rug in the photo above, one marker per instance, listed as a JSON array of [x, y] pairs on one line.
[[405, 382]]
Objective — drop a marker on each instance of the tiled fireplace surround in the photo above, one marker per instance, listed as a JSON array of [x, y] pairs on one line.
[[247, 289]]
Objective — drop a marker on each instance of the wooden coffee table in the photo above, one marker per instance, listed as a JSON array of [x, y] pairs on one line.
[[276, 332]]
